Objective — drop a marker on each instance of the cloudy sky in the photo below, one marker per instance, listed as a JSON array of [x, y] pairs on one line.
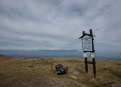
[[57, 24]]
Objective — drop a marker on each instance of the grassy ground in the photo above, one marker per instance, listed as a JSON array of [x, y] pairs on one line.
[[40, 72]]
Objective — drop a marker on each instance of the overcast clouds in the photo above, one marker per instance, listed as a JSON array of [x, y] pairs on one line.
[[57, 24]]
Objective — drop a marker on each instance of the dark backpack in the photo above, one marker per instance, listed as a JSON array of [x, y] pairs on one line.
[[60, 69]]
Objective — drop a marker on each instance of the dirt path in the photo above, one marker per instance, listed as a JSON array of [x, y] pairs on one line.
[[37, 81]]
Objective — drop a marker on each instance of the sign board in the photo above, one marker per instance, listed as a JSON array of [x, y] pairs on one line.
[[92, 55], [87, 43], [85, 54]]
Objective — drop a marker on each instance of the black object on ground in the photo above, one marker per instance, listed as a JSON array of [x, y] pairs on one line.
[[60, 69]]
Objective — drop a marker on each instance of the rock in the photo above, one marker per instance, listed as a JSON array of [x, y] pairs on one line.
[[74, 77]]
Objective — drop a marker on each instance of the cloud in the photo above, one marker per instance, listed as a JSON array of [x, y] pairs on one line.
[[57, 24]]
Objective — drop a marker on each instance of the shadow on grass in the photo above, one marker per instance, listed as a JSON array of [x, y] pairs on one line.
[[115, 72]]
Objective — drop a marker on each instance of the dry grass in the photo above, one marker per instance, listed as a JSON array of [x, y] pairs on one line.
[[40, 72]]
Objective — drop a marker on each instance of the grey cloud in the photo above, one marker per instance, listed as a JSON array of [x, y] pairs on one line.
[[57, 24]]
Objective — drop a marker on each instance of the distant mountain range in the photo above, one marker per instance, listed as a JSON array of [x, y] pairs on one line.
[[52, 54], [42, 53]]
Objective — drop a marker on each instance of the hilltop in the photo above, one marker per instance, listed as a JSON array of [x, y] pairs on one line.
[[40, 72]]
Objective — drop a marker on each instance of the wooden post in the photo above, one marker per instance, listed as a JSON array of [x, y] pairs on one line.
[[86, 65], [94, 67]]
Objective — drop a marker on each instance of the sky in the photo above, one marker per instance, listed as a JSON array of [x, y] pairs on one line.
[[58, 24]]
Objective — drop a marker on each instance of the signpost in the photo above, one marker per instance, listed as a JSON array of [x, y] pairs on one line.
[[88, 46]]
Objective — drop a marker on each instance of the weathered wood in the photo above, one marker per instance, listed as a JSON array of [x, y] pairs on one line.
[[86, 65], [91, 51]]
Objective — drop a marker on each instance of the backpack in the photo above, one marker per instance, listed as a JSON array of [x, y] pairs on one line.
[[60, 69]]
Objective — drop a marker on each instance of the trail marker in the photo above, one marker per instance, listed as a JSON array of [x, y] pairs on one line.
[[88, 46]]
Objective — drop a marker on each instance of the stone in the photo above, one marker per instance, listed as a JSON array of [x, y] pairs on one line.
[[74, 77]]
